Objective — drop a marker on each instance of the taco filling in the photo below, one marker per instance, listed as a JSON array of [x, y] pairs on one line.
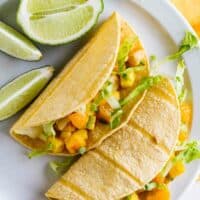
[[94, 96], [71, 132]]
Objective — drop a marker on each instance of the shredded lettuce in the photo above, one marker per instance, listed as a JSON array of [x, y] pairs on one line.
[[124, 50], [154, 65], [152, 185], [107, 90], [91, 122], [113, 102], [145, 84], [190, 153], [189, 42], [139, 68], [82, 150], [60, 167], [40, 152], [105, 93], [179, 79], [116, 118], [124, 74], [49, 129]]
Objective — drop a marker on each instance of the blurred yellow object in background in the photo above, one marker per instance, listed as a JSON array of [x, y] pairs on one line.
[[191, 10]]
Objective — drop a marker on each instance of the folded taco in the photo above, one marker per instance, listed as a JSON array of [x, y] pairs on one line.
[[92, 97], [131, 157]]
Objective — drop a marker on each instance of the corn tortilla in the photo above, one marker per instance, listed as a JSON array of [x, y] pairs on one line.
[[77, 84]]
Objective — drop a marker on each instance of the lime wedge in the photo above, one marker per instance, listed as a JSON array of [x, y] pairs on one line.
[[58, 21], [15, 44], [21, 91]]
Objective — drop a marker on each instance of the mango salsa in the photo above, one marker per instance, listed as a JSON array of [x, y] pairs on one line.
[[186, 113], [105, 112], [79, 120], [76, 141], [57, 144], [158, 194], [177, 169]]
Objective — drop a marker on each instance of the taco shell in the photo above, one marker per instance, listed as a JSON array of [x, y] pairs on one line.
[[131, 157], [76, 85]]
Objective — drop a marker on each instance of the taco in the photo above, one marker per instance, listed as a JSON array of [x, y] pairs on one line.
[[131, 157], [92, 97]]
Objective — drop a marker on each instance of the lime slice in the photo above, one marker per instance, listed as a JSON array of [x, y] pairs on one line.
[[21, 91], [15, 44], [58, 21]]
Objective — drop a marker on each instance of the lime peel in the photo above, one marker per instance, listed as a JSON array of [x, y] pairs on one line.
[[59, 26], [16, 45], [21, 91]]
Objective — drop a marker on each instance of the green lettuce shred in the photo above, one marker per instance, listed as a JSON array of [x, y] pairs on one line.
[[49, 129], [105, 93], [124, 50], [189, 42], [82, 150], [116, 118], [40, 152], [145, 84], [60, 167], [179, 79], [153, 185], [91, 122], [150, 186], [190, 153]]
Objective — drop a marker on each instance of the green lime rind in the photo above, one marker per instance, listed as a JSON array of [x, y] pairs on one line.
[[59, 25], [15, 44], [21, 91]]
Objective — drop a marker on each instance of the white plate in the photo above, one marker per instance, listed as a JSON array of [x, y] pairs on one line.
[[161, 29]]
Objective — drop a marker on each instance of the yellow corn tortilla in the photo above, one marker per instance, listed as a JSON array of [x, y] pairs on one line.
[[77, 85], [131, 157]]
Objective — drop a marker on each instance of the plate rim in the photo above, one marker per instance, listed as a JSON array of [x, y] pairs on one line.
[[176, 25]]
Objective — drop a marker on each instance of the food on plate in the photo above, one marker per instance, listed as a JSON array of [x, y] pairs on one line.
[[191, 10], [94, 95], [57, 22], [132, 157], [21, 91], [15, 44]]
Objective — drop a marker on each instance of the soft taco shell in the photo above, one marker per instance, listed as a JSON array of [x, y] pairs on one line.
[[131, 157], [77, 85]]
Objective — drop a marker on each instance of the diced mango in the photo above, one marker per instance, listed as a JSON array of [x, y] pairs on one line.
[[105, 112], [183, 136], [186, 113], [136, 57], [57, 144], [62, 123], [116, 68], [76, 141], [69, 128], [128, 79], [65, 135], [133, 196], [158, 194], [79, 120], [116, 94], [159, 179], [177, 170]]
